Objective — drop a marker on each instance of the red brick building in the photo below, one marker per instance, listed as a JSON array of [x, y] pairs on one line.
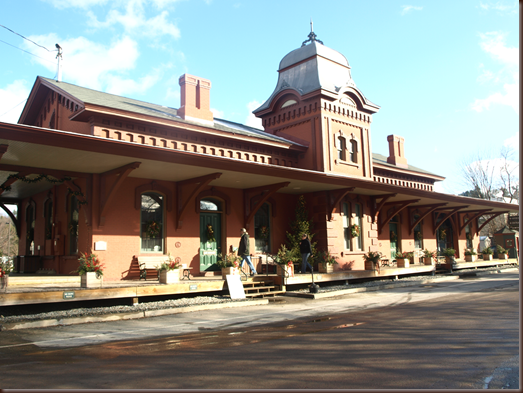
[[123, 178]]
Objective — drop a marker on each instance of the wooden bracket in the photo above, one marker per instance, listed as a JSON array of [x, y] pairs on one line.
[[376, 207], [3, 149], [107, 192], [430, 209], [453, 210], [477, 213], [334, 197], [399, 206], [199, 184], [260, 195], [494, 215]]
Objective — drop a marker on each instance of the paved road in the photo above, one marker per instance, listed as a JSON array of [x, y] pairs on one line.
[[448, 335]]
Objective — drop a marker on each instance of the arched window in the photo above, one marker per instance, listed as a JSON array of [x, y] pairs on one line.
[[353, 150], [210, 205], [48, 217], [346, 225], [30, 225], [341, 147], [418, 234], [262, 228], [356, 220], [152, 234], [74, 215], [468, 235]]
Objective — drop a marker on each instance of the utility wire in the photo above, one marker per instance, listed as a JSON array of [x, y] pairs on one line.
[[16, 106], [27, 52], [25, 38]]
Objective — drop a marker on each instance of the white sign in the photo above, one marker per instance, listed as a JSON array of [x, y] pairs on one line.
[[100, 246], [234, 283], [211, 252]]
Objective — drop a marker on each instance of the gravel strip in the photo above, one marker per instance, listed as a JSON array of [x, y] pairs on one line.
[[199, 300]]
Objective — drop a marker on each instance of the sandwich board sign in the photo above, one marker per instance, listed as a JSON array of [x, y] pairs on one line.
[[234, 283]]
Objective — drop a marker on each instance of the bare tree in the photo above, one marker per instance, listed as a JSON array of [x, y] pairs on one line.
[[494, 179]]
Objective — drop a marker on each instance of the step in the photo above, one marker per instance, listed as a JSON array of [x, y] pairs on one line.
[[265, 294], [257, 289]]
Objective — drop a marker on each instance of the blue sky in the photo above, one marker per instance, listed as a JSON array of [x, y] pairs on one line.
[[445, 73]]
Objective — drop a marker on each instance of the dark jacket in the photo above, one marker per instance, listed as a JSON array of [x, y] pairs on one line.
[[305, 246], [243, 249]]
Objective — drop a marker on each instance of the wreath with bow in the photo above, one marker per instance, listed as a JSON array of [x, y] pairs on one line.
[[152, 229], [355, 230], [393, 236], [210, 233]]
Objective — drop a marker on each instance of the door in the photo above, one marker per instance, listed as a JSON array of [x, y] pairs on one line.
[[393, 227], [210, 240]]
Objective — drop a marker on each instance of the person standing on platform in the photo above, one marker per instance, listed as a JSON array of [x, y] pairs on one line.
[[306, 251], [243, 251]]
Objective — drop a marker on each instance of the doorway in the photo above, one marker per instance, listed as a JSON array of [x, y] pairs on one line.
[[210, 235]]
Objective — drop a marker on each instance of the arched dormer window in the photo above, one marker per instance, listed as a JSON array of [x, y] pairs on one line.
[[289, 103]]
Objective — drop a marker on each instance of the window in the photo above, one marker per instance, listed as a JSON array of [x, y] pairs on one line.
[[341, 147], [346, 225], [468, 235], [210, 205], [418, 234], [74, 214], [262, 229], [48, 216], [353, 150], [356, 220], [152, 222]]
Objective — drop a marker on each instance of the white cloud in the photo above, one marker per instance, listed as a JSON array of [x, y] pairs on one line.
[[12, 100], [493, 43], [512, 142], [253, 121], [134, 20], [498, 6], [407, 8]]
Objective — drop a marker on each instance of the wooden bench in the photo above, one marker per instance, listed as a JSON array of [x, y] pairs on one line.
[[150, 262]]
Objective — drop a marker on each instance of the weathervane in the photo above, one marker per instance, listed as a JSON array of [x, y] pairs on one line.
[[312, 37]]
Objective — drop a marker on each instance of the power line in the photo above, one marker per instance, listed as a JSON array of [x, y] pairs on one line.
[[25, 38], [16, 106], [32, 54]]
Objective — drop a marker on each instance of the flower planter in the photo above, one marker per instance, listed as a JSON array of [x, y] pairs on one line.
[[325, 268], [502, 256], [89, 280], [471, 258], [402, 262], [487, 257], [3, 283], [228, 271], [287, 268], [428, 261], [169, 276], [370, 265]]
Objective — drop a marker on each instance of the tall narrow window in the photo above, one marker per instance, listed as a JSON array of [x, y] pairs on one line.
[[356, 223], [74, 215], [341, 147], [346, 225], [48, 216], [468, 235], [353, 150], [418, 234], [262, 228], [30, 225], [152, 234]]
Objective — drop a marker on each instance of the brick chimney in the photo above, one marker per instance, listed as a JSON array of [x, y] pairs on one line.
[[195, 99], [396, 151]]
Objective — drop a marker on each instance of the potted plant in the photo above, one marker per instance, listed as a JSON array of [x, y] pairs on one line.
[[403, 258], [372, 260], [470, 255], [429, 257], [5, 268], [169, 271], [285, 259], [326, 261], [487, 254], [229, 263], [449, 254], [90, 270], [502, 253]]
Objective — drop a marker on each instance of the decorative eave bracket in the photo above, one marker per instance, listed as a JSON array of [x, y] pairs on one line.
[[334, 199], [452, 211], [183, 203], [107, 192], [477, 213], [399, 206], [260, 195], [376, 207], [494, 215], [430, 209]]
